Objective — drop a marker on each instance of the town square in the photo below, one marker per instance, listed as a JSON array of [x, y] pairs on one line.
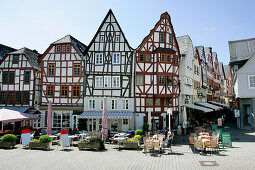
[[127, 85]]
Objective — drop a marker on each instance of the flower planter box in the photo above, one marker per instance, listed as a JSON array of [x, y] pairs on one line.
[[7, 144], [88, 146], [39, 145], [130, 145]]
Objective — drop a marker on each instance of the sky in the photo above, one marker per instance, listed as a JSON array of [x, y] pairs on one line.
[[211, 23]]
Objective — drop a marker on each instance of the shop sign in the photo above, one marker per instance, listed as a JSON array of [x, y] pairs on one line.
[[237, 113], [226, 139], [209, 92]]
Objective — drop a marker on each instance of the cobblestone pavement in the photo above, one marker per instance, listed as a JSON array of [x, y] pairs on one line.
[[240, 156]]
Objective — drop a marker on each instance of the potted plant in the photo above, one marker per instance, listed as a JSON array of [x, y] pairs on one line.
[[131, 144], [93, 142], [8, 141], [44, 142]]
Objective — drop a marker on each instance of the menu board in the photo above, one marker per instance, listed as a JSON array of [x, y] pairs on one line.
[[226, 139]]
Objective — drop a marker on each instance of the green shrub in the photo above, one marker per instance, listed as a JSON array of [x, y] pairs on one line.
[[45, 139], [138, 137], [138, 132], [9, 138], [145, 127]]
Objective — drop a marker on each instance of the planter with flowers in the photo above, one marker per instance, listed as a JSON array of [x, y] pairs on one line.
[[131, 144], [44, 142], [92, 142], [8, 141]]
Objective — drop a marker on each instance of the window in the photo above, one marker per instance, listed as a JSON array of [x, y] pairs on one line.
[[50, 90], [2, 97], [65, 119], [195, 69], [251, 81], [148, 58], [125, 121], [76, 69], [58, 49], [161, 79], [157, 102], [117, 38], [56, 119], [102, 38], [92, 104], [63, 48], [176, 61], [51, 69], [101, 104], [162, 58], [27, 77], [170, 39], [10, 97], [107, 81], [166, 102], [139, 80], [125, 105], [114, 105], [99, 58], [116, 81], [149, 102], [116, 58], [11, 77], [26, 97], [168, 58], [99, 81], [67, 48], [18, 97], [64, 91], [76, 91], [141, 57], [5, 77], [15, 59], [169, 80], [170, 102], [162, 37]]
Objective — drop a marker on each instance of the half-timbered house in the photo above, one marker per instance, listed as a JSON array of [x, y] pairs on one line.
[[216, 80], [210, 74], [62, 82], [20, 81], [109, 71], [197, 92], [228, 74], [157, 74]]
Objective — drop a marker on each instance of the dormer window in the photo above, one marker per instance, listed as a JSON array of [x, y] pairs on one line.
[[102, 38], [58, 49], [63, 48], [67, 48], [15, 59], [117, 38]]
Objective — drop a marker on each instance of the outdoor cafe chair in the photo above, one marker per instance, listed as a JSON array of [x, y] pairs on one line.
[[156, 147], [149, 145], [198, 145], [213, 145], [144, 142]]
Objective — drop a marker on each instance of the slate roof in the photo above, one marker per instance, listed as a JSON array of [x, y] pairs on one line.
[[32, 56], [226, 69], [164, 49], [183, 42], [4, 50], [221, 68], [201, 53], [79, 46]]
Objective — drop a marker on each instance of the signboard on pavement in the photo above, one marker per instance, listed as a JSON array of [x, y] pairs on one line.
[[226, 139]]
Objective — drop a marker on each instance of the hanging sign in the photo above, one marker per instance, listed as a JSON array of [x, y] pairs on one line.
[[237, 113]]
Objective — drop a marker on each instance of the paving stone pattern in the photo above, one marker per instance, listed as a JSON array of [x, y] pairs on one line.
[[240, 156]]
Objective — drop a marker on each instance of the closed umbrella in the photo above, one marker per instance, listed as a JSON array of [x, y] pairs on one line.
[[104, 122], [184, 119], [149, 119], [49, 119]]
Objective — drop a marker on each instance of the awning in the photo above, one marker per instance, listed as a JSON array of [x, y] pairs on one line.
[[192, 106], [16, 108], [211, 106], [110, 115], [219, 104]]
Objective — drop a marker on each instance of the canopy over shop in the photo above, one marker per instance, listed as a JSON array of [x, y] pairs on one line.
[[219, 104], [118, 121]]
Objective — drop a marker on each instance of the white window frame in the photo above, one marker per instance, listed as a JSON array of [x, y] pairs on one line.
[[91, 104], [125, 121], [249, 81], [125, 104], [117, 38], [114, 104], [116, 81], [99, 81], [117, 56], [99, 58], [101, 104], [107, 82], [139, 80]]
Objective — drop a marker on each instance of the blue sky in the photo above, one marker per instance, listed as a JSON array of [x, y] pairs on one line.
[[36, 24]]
